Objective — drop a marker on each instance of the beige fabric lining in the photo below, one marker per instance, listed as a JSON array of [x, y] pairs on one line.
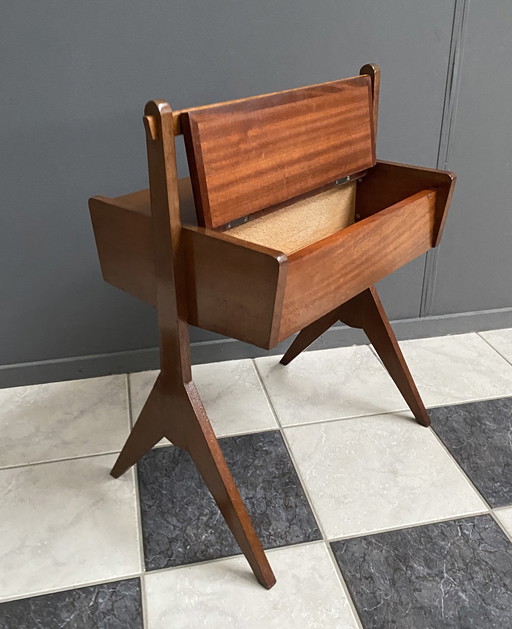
[[302, 223]]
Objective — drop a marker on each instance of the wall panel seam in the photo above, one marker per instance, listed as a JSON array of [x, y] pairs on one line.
[[453, 77]]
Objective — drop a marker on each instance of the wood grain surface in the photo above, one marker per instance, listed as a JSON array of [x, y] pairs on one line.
[[248, 156], [333, 270]]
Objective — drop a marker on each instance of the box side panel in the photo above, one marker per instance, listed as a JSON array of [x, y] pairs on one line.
[[234, 288], [125, 248], [336, 268]]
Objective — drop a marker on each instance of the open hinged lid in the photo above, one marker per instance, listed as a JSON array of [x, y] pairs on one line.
[[248, 155]]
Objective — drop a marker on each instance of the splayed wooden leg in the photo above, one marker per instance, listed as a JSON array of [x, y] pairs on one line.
[[366, 311], [308, 335]]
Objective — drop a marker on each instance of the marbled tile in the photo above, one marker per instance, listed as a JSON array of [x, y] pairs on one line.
[[181, 523], [45, 422], [505, 517], [372, 473], [224, 594], [65, 524], [114, 605], [329, 384], [501, 340], [231, 393], [449, 574], [479, 435], [461, 368]]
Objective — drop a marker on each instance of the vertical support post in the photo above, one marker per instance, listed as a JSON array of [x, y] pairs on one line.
[[373, 71], [174, 408]]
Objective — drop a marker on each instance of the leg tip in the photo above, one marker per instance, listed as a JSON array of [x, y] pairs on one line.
[[268, 582], [423, 419], [115, 473]]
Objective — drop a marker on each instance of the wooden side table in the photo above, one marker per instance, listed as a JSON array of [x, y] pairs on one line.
[[296, 221]]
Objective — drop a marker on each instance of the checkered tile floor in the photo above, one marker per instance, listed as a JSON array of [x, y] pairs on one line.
[[369, 519]]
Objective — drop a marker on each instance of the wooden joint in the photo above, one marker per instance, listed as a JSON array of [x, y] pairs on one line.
[[373, 71], [151, 127]]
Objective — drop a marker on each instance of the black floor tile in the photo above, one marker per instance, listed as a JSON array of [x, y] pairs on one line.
[[180, 521], [479, 436], [447, 575], [107, 606]]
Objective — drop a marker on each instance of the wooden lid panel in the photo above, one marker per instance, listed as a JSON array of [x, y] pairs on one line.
[[252, 154]]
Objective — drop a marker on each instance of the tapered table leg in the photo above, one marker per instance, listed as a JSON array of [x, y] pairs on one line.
[[207, 455], [147, 431], [366, 311], [175, 411], [308, 335]]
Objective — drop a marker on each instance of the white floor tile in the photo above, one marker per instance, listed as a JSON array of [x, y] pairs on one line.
[[60, 420], [329, 384], [65, 523], [373, 473], [225, 594], [501, 340], [461, 368], [505, 517], [231, 393]]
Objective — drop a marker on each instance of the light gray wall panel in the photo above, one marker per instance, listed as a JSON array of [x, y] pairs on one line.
[[75, 77], [475, 260]]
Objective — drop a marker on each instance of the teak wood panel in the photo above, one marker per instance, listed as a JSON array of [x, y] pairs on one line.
[[389, 182], [234, 287], [247, 156], [254, 293], [124, 239], [335, 269]]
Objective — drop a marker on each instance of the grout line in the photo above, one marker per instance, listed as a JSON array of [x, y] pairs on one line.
[[503, 508], [399, 411], [461, 469], [344, 585], [495, 349], [501, 525], [149, 573], [71, 587], [63, 460], [140, 540], [138, 517], [143, 601], [336, 567], [471, 400], [267, 395], [239, 555], [412, 525], [129, 399]]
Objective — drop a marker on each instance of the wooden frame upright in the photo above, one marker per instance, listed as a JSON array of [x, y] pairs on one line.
[[174, 408]]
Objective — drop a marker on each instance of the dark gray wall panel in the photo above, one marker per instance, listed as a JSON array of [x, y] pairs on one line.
[[475, 260], [75, 77]]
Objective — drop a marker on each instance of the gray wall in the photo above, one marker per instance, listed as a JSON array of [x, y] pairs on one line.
[[475, 260], [75, 78]]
